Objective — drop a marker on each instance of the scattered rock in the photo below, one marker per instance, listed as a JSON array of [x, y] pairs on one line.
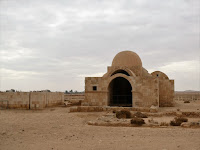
[[185, 124], [153, 109], [3, 133]]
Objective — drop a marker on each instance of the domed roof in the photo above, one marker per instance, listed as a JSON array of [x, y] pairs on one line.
[[127, 58], [159, 74]]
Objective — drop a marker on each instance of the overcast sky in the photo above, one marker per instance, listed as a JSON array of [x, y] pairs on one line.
[[54, 44]]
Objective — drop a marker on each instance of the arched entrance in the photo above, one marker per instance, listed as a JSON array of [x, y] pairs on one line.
[[120, 92]]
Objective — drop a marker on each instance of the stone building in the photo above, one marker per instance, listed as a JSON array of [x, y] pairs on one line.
[[128, 84]]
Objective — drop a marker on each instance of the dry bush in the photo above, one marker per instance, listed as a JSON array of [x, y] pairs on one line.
[[123, 114], [182, 119], [186, 101], [137, 121], [140, 115], [164, 124], [177, 121], [191, 114], [195, 124]]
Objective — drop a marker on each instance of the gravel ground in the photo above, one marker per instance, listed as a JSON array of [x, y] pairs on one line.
[[56, 129]]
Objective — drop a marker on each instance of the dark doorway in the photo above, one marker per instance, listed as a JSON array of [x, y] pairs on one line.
[[120, 91]]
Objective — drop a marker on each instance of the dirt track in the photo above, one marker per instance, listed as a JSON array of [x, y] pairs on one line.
[[55, 128]]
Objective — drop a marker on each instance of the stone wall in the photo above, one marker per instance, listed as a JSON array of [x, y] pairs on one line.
[[30, 100], [38, 100], [14, 100], [98, 97], [54, 99], [166, 92], [95, 99], [166, 89], [147, 93], [74, 97]]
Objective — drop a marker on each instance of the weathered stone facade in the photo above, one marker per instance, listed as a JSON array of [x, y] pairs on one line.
[[30, 100], [127, 83]]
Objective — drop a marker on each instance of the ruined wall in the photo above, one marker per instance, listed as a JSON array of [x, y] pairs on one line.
[[38, 100], [54, 99], [14, 100], [30, 100]]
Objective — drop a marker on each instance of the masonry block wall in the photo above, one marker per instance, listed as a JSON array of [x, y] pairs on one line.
[[30, 100], [74, 97], [54, 99], [97, 97], [166, 89], [148, 92], [144, 94], [38, 100]]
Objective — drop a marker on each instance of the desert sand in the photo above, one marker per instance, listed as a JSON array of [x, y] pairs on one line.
[[57, 129]]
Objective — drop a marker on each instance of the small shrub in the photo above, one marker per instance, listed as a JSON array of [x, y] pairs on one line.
[[186, 101], [140, 115], [137, 121], [195, 124], [177, 121], [123, 114], [181, 119]]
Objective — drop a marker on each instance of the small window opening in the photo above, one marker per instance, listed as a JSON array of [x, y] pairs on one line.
[[94, 88], [157, 75]]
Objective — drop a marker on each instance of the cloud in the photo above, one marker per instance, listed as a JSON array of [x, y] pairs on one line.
[[64, 40], [100, 74], [7, 74], [184, 66]]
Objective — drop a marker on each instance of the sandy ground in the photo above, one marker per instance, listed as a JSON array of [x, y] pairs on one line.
[[192, 106], [56, 129]]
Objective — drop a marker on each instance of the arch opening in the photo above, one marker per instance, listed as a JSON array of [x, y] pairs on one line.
[[120, 92], [120, 71]]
